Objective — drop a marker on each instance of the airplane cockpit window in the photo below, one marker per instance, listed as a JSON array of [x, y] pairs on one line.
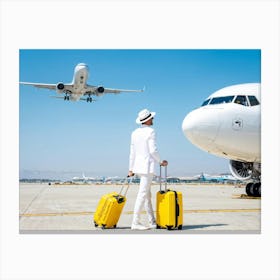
[[253, 100], [205, 102], [242, 100], [221, 100]]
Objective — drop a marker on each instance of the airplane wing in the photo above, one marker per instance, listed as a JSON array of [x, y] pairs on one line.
[[47, 86], [67, 88], [99, 90], [116, 91]]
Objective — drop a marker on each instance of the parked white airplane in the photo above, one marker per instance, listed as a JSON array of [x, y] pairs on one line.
[[86, 179], [79, 87], [215, 178], [83, 178], [228, 124]]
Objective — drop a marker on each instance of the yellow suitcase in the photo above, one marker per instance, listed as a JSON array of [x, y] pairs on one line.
[[109, 209], [169, 208]]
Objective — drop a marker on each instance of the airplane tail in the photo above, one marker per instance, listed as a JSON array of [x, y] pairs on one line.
[[85, 99], [60, 97]]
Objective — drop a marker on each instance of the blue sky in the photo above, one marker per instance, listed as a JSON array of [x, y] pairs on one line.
[[63, 139]]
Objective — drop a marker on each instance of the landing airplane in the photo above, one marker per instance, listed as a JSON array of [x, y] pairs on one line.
[[79, 87], [228, 125]]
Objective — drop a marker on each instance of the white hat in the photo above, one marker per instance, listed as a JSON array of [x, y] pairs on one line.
[[144, 116]]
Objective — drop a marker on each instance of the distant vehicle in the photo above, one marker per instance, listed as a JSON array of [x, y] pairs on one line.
[[228, 124], [79, 88]]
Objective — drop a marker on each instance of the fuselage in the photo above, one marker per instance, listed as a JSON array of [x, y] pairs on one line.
[[228, 124], [79, 82]]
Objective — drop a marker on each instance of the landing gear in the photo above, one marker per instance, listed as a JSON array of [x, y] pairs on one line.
[[89, 99], [66, 97], [253, 189]]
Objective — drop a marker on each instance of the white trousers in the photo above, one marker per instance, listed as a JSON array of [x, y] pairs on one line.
[[144, 199]]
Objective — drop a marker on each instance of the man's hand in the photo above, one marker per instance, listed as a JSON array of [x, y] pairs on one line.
[[164, 163], [130, 174]]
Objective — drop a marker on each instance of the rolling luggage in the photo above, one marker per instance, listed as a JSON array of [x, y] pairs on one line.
[[169, 211], [109, 209]]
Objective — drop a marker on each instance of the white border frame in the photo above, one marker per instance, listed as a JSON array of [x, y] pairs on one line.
[[139, 24]]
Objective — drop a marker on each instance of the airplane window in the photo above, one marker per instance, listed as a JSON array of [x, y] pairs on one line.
[[220, 100], [253, 100], [205, 102], [242, 100]]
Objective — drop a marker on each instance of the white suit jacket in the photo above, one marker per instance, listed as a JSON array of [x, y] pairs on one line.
[[144, 156]]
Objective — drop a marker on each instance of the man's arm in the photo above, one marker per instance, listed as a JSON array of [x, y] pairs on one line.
[[131, 158], [153, 150], [153, 147]]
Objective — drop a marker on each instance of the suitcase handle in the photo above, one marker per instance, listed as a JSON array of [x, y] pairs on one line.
[[127, 187], [165, 175]]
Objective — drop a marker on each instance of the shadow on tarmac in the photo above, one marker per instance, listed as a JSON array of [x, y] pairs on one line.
[[202, 226]]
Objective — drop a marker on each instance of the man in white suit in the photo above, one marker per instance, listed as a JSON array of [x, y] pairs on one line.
[[143, 160]]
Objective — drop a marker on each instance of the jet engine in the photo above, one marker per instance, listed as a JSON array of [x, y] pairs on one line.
[[245, 171], [100, 89], [241, 170], [60, 87]]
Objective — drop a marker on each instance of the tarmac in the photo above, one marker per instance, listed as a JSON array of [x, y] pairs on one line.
[[69, 209]]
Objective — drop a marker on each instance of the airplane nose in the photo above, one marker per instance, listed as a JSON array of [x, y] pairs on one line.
[[201, 127], [81, 66]]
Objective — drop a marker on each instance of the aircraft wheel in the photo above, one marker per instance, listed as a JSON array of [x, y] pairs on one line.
[[260, 191], [257, 189], [250, 189]]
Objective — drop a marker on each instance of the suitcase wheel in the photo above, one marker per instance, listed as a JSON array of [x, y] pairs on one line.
[[158, 227], [180, 227], [103, 226], [95, 224], [115, 225], [169, 227]]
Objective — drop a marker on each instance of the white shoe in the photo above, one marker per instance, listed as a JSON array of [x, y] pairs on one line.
[[138, 227], [152, 226]]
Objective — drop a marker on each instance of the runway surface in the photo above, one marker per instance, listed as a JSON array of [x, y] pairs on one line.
[[64, 209]]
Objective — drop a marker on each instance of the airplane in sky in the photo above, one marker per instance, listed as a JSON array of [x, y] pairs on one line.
[[78, 88], [228, 125]]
